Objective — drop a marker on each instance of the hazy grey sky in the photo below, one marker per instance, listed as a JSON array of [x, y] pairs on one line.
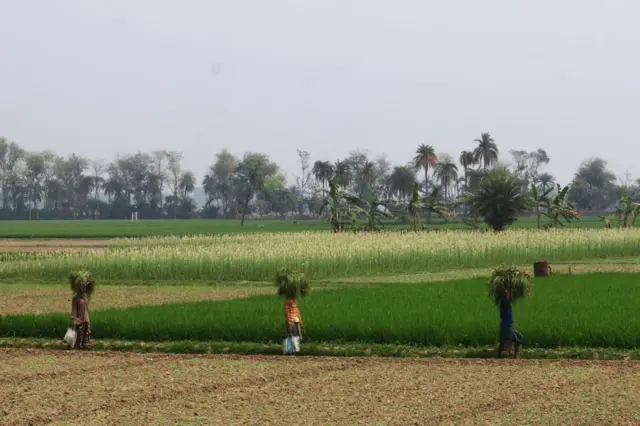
[[100, 77]]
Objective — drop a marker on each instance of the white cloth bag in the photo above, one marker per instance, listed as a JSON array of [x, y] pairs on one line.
[[70, 337], [291, 345]]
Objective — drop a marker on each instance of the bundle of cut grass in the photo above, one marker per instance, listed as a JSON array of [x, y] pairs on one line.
[[82, 281], [516, 281], [291, 284]]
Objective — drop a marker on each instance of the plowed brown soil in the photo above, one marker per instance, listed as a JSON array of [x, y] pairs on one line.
[[50, 387], [16, 299]]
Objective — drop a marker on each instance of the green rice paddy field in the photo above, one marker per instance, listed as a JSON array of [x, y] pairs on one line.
[[370, 288], [591, 310], [145, 228]]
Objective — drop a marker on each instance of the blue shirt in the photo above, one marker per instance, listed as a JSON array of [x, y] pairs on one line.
[[506, 316]]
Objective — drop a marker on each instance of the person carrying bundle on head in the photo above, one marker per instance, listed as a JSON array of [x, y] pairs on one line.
[[508, 335], [292, 317], [292, 285], [508, 284], [80, 317], [82, 285]]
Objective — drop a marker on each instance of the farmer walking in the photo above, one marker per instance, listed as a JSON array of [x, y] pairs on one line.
[[82, 285], [292, 285], [508, 335], [80, 318], [292, 317]]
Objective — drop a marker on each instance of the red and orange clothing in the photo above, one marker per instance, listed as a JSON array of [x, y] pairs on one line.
[[291, 312]]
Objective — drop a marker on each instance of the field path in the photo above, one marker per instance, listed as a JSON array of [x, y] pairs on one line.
[[54, 245], [125, 388]]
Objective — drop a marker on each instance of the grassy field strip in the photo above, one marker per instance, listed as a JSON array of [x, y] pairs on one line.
[[332, 349], [632, 265], [561, 313], [128, 388], [29, 298], [323, 255], [39, 229]]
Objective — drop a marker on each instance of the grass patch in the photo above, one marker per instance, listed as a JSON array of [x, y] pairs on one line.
[[328, 349], [591, 310], [111, 228]]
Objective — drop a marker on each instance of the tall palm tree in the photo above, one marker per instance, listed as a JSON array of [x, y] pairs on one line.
[[402, 179], [446, 172], [425, 157], [367, 177], [342, 171], [466, 161], [486, 151], [323, 172], [545, 180]]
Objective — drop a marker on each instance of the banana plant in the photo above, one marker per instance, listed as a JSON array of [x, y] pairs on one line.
[[627, 211], [417, 205], [375, 210], [335, 201], [560, 208], [540, 200], [607, 221]]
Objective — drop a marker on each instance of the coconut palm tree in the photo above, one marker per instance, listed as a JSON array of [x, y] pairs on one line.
[[425, 157], [546, 181], [402, 179], [466, 161], [446, 172], [486, 151], [342, 171], [323, 172]]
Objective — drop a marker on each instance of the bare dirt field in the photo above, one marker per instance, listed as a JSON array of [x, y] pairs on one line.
[[17, 299], [65, 387]]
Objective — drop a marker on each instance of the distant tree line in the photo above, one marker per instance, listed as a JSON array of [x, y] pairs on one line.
[[44, 185]]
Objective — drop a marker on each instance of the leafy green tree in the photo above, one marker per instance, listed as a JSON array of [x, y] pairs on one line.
[[249, 178], [499, 199], [593, 186], [218, 182]]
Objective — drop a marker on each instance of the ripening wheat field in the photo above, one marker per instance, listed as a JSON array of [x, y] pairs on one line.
[[320, 255]]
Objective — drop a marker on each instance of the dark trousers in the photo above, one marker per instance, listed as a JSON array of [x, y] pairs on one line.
[[509, 336], [294, 329], [82, 335]]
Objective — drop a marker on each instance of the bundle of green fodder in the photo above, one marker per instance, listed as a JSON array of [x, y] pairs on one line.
[[516, 281], [291, 284], [82, 281]]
